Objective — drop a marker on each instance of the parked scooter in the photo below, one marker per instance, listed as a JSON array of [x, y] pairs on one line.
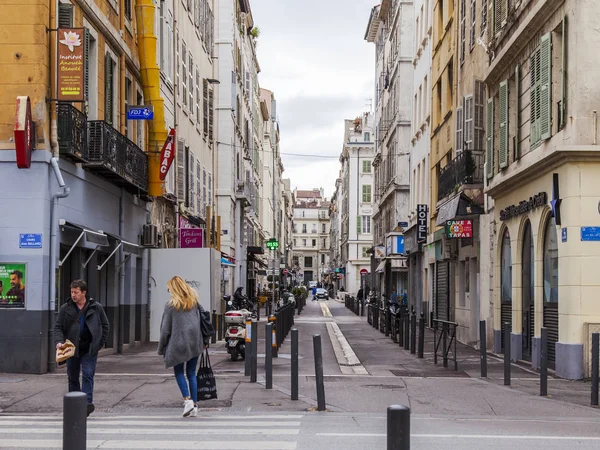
[[235, 335]]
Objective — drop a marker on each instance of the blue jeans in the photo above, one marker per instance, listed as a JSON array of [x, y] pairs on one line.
[[87, 365], [190, 373]]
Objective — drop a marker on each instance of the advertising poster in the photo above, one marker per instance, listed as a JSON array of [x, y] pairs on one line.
[[71, 64], [12, 285]]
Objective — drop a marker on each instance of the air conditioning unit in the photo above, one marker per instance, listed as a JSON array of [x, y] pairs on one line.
[[240, 186], [149, 236]]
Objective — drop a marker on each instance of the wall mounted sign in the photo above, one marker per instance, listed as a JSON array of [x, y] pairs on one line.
[[30, 241], [564, 234], [167, 154], [456, 229], [140, 112], [590, 233], [422, 223], [24, 132], [524, 206], [71, 65], [556, 200], [12, 285], [190, 236]]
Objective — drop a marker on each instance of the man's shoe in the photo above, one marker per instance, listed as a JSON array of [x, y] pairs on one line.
[[188, 406], [90, 408]]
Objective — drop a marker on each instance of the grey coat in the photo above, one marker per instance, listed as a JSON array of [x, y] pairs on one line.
[[180, 335]]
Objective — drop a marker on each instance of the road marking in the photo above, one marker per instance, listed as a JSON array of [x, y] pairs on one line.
[[325, 310], [97, 417], [346, 358], [469, 436], [203, 423], [153, 431], [164, 445]]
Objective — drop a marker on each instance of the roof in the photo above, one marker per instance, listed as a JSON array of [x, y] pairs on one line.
[[308, 194]]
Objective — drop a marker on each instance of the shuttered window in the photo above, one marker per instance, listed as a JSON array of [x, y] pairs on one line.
[[198, 111], [211, 113], [517, 153], [473, 24], [484, 13], [199, 208], [563, 76], [358, 224], [209, 200], [86, 64], [189, 198], [463, 29], [489, 157], [65, 15], [540, 96], [184, 75], [204, 190], [469, 129], [478, 116], [191, 84], [500, 14], [109, 66], [366, 193], [503, 145], [205, 105], [460, 123], [181, 158]]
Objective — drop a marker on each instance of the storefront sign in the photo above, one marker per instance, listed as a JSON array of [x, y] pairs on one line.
[[12, 285], [456, 229], [537, 201], [30, 241], [590, 233], [167, 155], [422, 223], [71, 67], [190, 236], [24, 132]]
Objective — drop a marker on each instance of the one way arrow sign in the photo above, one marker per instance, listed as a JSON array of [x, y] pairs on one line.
[[140, 113]]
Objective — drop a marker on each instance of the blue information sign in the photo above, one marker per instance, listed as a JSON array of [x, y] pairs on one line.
[[403, 224], [400, 245], [140, 113], [30, 241], [590, 233], [564, 235]]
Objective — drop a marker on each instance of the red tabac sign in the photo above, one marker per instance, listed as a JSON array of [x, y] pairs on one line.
[[456, 229], [24, 132], [71, 64], [167, 154]]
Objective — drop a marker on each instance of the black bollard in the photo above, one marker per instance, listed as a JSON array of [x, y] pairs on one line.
[[254, 344], [268, 357], [398, 427], [213, 338], [595, 357], [421, 336], [248, 349], [220, 326], [483, 348], [506, 354], [388, 320], [319, 372], [74, 421], [401, 330], [544, 363], [413, 332], [407, 330], [294, 364]]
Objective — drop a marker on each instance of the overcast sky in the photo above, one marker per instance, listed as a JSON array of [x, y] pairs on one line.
[[313, 56]]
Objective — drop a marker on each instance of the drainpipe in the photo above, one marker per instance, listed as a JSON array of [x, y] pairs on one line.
[[53, 257], [121, 306]]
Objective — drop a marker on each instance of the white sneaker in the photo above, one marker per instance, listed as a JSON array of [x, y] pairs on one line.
[[188, 406], [194, 412]]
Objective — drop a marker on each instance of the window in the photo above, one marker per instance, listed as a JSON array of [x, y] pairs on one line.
[[366, 224], [198, 114], [294, 242], [191, 84], [308, 261], [324, 243], [500, 14], [210, 195], [489, 151], [484, 8], [366, 193], [503, 135], [303, 242], [550, 263], [128, 102], [366, 166], [460, 139], [128, 9], [204, 189], [205, 105], [463, 25], [314, 228], [473, 23], [303, 227], [468, 131], [322, 259], [295, 260], [181, 158], [183, 77], [539, 91], [527, 273], [367, 137], [110, 89], [364, 251], [199, 209], [314, 242], [478, 117], [323, 228], [506, 269]]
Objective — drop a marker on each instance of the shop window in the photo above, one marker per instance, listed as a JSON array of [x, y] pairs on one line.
[[506, 269], [550, 263]]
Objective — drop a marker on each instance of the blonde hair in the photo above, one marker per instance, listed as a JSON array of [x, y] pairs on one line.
[[182, 295]]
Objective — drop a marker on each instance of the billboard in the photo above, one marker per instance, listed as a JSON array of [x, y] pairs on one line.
[[71, 64], [12, 285]]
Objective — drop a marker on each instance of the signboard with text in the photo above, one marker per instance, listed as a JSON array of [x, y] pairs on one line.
[[422, 223], [456, 229], [190, 236], [24, 132], [167, 154], [12, 285], [71, 65], [30, 240]]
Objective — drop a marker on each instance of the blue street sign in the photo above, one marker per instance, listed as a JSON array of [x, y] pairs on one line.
[[400, 245], [403, 224], [590, 233], [30, 241], [564, 235], [140, 113]]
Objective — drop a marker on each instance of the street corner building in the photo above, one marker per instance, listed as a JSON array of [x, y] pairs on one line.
[[74, 172], [542, 170]]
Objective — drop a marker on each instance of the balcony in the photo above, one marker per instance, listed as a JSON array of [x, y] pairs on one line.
[[466, 168], [72, 133], [242, 192], [115, 158]]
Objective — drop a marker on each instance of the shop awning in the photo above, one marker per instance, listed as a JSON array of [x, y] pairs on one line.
[[380, 267], [225, 262], [91, 236], [128, 247], [447, 211]]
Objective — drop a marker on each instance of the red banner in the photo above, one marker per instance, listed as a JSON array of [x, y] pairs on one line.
[[24, 132], [167, 154]]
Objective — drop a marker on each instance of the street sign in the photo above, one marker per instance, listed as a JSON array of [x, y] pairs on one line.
[[364, 271], [272, 244], [140, 112], [403, 224], [30, 241]]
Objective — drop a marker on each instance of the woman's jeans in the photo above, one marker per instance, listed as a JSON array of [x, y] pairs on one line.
[[190, 373]]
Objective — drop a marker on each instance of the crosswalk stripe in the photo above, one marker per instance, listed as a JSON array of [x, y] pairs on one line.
[[182, 423], [162, 431], [156, 445], [150, 417]]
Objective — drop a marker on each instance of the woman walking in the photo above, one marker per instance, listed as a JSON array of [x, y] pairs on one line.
[[181, 340]]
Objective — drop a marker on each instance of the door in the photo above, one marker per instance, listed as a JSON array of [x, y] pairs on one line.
[[527, 287], [442, 290]]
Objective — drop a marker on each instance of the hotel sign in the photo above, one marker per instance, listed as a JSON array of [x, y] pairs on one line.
[[422, 223], [71, 65], [524, 206]]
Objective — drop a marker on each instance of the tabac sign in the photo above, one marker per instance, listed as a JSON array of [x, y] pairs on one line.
[[71, 64]]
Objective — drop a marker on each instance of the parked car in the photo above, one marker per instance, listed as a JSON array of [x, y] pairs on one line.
[[322, 293]]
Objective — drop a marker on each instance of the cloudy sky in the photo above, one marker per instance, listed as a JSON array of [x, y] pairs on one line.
[[313, 56]]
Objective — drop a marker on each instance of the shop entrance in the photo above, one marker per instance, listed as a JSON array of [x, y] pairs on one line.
[[527, 289]]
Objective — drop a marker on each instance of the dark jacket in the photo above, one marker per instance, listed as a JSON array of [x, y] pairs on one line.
[[67, 325]]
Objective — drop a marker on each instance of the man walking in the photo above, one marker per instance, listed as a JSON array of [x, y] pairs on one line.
[[83, 321]]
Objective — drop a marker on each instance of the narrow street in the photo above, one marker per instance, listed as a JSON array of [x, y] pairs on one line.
[[138, 403]]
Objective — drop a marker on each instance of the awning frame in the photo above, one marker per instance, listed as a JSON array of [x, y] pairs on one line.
[[127, 248], [84, 232]]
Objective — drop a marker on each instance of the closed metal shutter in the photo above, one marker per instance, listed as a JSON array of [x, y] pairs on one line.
[[505, 316], [551, 323], [441, 290]]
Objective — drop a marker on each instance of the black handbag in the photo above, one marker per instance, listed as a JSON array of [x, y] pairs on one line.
[[206, 325], [207, 385]]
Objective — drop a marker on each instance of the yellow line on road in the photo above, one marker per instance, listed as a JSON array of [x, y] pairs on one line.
[[325, 310]]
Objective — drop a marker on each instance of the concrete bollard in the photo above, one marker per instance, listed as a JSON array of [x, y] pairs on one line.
[[74, 421], [254, 356]]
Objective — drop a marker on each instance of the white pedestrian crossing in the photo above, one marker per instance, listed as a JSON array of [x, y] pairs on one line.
[[118, 431]]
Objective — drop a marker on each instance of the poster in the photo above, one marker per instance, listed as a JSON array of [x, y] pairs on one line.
[[71, 64], [12, 285]]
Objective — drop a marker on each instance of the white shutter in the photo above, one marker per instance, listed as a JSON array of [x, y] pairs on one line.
[[460, 139], [180, 170], [479, 119], [469, 127], [503, 147], [489, 158]]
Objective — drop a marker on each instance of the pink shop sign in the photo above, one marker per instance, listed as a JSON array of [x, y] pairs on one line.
[[190, 237]]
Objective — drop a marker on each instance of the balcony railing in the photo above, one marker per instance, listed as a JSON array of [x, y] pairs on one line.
[[72, 133], [466, 168], [116, 158]]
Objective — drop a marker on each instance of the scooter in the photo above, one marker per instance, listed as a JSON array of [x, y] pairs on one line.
[[235, 335]]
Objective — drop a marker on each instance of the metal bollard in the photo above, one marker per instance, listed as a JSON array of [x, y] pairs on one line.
[[483, 348], [254, 344], [268, 357], [220, 326], [544, 363], [319, 372], [506, 354], [595, 357], [388, 320], [421, 336], [444, 341], [274, 350], [407, 330], [248, 349], [413, 332], [401, 330], [74, 421], [294, 364], [213, 338], [398, 427]]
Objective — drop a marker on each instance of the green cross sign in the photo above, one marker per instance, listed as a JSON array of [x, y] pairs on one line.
[[272, 244]]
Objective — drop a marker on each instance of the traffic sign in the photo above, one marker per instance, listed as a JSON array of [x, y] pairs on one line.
[[364, 271], [272, 244], [140, 112]]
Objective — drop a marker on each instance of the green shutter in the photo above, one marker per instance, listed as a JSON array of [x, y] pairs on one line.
[[545, 86], [563, 75], [503, 147], [108, 89], [86, 65], [490, 138], [358, 224], [65, 15], [534, 91]]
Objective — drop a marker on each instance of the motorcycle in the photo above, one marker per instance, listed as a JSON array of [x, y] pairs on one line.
[[235, 334]]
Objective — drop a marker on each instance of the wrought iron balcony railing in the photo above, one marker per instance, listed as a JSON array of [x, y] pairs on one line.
[[116, 158], [72, 132], [466, 168]]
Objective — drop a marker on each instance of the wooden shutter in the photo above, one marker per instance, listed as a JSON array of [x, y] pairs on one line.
[[65, 16], [180, 170], [108, 89], [563, 75], [500, 14], [205, 105], [469, 128], [358, 224], [517, 154], [211, 113], [489, 158], [86, 64], [479, 116], [503, 147], [534, 96], [189, 175], [460, 122], [545, 86]]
